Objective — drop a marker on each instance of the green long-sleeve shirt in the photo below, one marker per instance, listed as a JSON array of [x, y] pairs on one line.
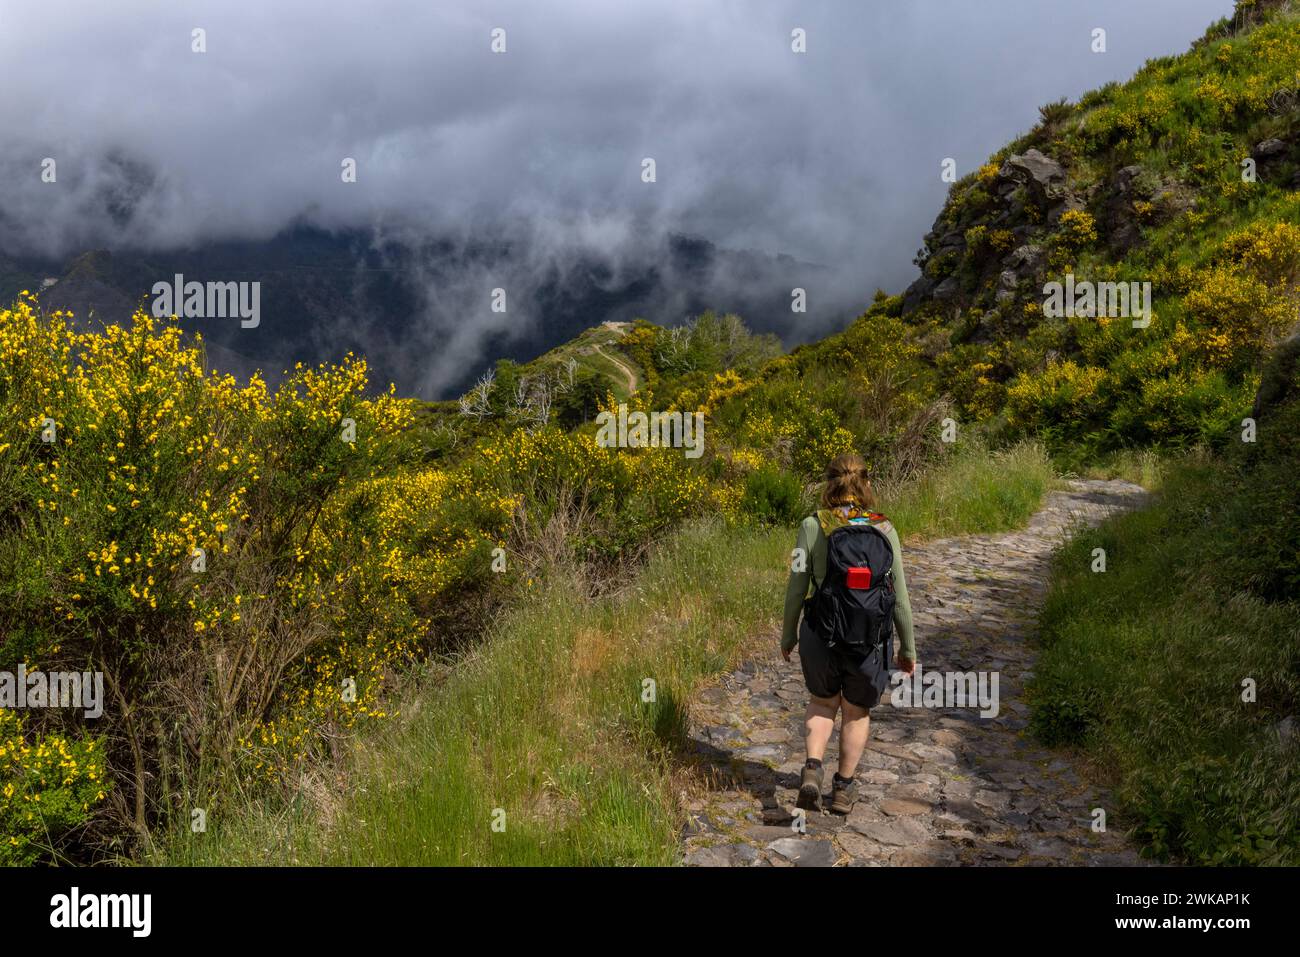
[[812, 541]]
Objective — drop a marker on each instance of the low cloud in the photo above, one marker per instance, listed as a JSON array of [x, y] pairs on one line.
[[831, 157]]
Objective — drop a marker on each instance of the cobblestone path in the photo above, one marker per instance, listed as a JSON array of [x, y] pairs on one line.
[[936, 785]]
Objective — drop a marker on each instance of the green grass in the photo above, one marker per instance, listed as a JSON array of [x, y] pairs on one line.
[[583, 348], [1146, 467], [1144, 664], [977, 492], [599, 362], [546, 721], [546, 718]]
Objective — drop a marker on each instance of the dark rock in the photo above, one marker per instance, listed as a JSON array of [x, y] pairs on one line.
[[1286, 729], [917, 294], [1007, 282], [723, 855], [897, 832], [904, 808], [713, 696], [1069, 202], [1042, 176], [1002, 853], [946, 290], [1027, 261], [765, 834], [805, 853], [777, 815], [1270, 149], [720, 734], [696, 825]]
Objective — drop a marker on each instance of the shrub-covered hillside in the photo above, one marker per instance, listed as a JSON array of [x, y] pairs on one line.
[[1185, 177], [256, 570]]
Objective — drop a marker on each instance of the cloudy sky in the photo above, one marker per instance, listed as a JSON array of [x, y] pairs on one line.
[[832, 156]]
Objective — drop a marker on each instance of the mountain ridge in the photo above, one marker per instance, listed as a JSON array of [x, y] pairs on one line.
[[325, 294]]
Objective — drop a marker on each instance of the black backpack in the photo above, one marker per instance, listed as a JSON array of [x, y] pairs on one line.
[[853, 606]]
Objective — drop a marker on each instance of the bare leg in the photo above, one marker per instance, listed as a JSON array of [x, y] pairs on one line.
[[819, 722], [853, 737]]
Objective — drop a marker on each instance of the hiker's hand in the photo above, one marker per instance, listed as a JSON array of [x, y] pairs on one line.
[[905, 665], [785, 653]]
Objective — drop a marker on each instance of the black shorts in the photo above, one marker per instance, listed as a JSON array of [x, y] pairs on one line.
[[834, 671]]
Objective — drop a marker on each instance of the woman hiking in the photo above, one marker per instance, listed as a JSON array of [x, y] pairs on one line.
[[851, 556]]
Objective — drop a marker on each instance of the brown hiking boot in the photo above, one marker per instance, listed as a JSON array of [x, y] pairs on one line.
[[810, 789], [844, 794]]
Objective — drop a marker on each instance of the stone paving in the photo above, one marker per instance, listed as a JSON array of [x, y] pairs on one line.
[[936, 786]]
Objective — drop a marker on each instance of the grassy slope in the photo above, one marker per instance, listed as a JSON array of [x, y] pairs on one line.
[[584, 348], [545, 718], [1188, 122], [1145, 662]]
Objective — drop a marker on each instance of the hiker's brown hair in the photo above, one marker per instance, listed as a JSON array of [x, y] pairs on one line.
[[848, 482]]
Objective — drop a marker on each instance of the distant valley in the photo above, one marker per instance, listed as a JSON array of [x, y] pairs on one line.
[[409, 305]]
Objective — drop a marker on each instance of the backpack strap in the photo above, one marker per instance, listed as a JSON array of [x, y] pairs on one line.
[[812, 575]]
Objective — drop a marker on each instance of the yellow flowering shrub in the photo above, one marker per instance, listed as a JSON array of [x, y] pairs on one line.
[[1078, 229], [1270, 251], [212, 548], [747, 460], [49, 784], [1238, 315], [977, 393], [722, 387], [1063, 392]]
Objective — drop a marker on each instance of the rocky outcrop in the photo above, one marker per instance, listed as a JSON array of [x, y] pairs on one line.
[[1031, 192], [1043, 177], [1024, 180], [1027, 262], [1272, 156], [1139, 198], [1044, 182], [917, 294], [1270, 149], [1277, 381]]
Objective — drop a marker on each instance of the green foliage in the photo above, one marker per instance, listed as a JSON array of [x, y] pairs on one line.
[[972, 491], [50, 786], [591, 778], [773, 497], [159, 522], [1144, 663], [333, 559], [1220, 254], [1055, 113], [582, 401]]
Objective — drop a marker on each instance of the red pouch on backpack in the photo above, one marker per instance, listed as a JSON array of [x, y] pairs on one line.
[[858, 578]]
